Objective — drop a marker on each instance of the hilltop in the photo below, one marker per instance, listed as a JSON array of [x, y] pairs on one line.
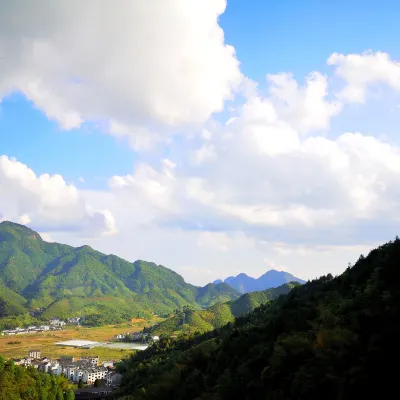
[[188, 320], [66, 281]]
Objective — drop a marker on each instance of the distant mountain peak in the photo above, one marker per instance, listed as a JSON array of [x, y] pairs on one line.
[[242, 275], [270, 279]]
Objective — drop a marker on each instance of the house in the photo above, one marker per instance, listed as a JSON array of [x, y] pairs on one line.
[[44, 327], [44, 366], [108, 364], [91, 374], [93, 360], [113, 379], [67, 359], [74, 320], [35, 354], [26, 361], [55, 368], [56, 322]]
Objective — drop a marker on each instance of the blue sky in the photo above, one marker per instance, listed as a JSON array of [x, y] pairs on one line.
[[134, 119], [269, 37]]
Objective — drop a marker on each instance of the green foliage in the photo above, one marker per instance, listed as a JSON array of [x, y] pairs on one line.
[[23, 320], [20, 383], [331, 338], [187, 320], [68, 281]]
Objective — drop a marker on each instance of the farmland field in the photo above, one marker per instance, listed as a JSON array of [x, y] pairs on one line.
[[46, 341]]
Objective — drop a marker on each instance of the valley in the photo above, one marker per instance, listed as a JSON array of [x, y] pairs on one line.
[[46, 342]]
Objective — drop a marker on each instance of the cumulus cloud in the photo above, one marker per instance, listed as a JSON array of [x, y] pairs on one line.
[[131, 65], [360, 71], [268, 179], [306, 108], [47, 203]]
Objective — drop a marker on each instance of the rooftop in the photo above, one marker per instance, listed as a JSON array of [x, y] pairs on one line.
[[77, 343]]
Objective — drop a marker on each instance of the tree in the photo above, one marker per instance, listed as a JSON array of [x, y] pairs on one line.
[[80, 384], [98, 383], [69, 395]]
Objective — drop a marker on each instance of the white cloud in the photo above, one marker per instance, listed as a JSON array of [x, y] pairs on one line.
[[203, 154], [46, 202], [305, 108], [271, 181], [137, 66], [360, 71]]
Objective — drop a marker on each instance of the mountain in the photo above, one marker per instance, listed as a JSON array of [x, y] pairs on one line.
[[218, 315], [331, 338], [246, 284], [68, 281]]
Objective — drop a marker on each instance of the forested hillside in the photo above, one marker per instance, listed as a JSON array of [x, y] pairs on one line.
[[20, 383], [188, 320], [68, 281], [331, 339]]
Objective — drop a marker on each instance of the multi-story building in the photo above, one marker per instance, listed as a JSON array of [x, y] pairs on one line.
[[90, 375], [35, 354]]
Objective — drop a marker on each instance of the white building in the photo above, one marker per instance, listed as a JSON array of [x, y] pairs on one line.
[[35, 354], [90, 375], [44, 327], [107, 364]]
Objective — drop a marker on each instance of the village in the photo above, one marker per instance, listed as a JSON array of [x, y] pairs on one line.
[[55, 324], [83, 371], [136, 337]]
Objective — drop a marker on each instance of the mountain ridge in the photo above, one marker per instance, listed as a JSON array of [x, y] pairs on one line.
[[244, 283], [218, 314], [66, 281]]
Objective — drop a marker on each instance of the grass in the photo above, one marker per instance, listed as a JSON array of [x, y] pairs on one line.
[[46, 341]]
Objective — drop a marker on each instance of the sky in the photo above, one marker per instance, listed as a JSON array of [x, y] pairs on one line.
[[211, 137]]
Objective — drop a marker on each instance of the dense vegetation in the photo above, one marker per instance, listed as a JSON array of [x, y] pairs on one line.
[[188, 320], [20, 383], [67, 281], [331, 339], [272, 278]]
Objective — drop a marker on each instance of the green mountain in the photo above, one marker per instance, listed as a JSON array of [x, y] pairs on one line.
[[331, 338], [188, 320], [68, 281]]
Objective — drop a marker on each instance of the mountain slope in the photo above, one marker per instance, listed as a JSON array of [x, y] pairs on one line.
[[218, 315], [11, 303], [331, 338], [69, 281], [246, 284]]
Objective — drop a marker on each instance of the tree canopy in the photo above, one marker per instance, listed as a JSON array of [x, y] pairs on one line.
[[333, 338]]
